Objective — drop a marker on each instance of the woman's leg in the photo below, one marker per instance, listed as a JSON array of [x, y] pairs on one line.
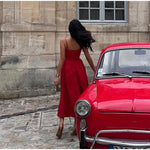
[[74, 128], [61, 122], [60, 129]]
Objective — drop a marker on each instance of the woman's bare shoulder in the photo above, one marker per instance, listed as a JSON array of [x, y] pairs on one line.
[[63, 39]]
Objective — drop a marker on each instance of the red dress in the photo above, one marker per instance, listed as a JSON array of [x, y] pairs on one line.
[[73, 82]]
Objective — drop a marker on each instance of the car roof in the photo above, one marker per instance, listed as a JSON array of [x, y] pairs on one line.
[[126, 45]]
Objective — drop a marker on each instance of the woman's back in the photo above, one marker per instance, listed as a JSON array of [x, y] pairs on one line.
[[71, 44], [73, 50]]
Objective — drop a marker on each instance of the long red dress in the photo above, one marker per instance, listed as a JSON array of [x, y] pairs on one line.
[[73, 82]]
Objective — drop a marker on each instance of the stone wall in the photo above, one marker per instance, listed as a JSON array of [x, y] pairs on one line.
[[30, 35], [28, 53]]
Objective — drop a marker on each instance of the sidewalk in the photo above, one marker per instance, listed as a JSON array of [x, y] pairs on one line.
[[32, 123]]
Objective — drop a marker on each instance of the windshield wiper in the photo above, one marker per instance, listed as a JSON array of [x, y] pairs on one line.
[[117, 74], [142, 72]]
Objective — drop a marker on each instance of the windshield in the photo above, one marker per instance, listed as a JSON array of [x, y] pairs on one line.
[[132, 62]]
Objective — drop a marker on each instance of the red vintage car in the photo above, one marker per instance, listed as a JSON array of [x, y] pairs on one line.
[[114, 111]]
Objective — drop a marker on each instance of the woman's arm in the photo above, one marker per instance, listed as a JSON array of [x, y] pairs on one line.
[[61, 61], [89, 59]]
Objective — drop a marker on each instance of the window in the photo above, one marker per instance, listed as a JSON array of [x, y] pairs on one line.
[[125, 61], [102, 11]]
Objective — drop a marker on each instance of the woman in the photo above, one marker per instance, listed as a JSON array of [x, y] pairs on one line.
[[73, 74]]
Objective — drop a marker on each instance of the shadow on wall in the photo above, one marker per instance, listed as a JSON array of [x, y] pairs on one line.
[[10, 60]]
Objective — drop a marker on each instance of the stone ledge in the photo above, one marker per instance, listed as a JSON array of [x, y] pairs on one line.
[[28, 27], [12, 94], [124, 27], [39, 27]]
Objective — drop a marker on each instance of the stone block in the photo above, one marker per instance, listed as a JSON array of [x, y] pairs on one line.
[[36, 12], [143, 6], [50, 43], [42, 61], [143, 17], [8, 16], [8, 4], [8, 40], [26, 16], [26, 43], [61, 5], [133, 13], [48, 4], [37, 40], [27, 4], [144, 37], [61, 18], [111, 38], [43, 40], [17, 18], [99, 38], [49, 17], [61, 12], [133, 37], [9, 79], [94, 56], [71, 5], [119, 38], [47, 12], [37, 78], [26, 82], [71, 11], [59, 36]]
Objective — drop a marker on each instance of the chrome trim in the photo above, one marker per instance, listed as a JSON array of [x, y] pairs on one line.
[[83, 124], [120, 142]]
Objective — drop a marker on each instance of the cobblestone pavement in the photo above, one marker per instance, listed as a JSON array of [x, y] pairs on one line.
[[32, 123]]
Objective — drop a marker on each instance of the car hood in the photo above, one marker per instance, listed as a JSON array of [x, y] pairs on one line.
[[124, 95]]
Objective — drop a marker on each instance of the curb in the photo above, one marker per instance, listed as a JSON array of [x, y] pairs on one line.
[[27, 112]]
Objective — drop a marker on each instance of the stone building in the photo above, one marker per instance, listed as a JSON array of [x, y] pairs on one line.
[[30, 32]]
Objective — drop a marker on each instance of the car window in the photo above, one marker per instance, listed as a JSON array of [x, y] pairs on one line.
[[125, 61], [134, 58]]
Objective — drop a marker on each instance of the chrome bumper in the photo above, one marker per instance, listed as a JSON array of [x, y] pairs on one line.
[[118, 142]]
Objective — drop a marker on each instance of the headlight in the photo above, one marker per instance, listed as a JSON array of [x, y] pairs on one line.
[[82, 108]]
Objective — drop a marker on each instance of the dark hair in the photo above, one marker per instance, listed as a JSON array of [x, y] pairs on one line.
[[80, 34]]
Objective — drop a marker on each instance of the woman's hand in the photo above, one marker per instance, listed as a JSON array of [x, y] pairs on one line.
[[56, 81]]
